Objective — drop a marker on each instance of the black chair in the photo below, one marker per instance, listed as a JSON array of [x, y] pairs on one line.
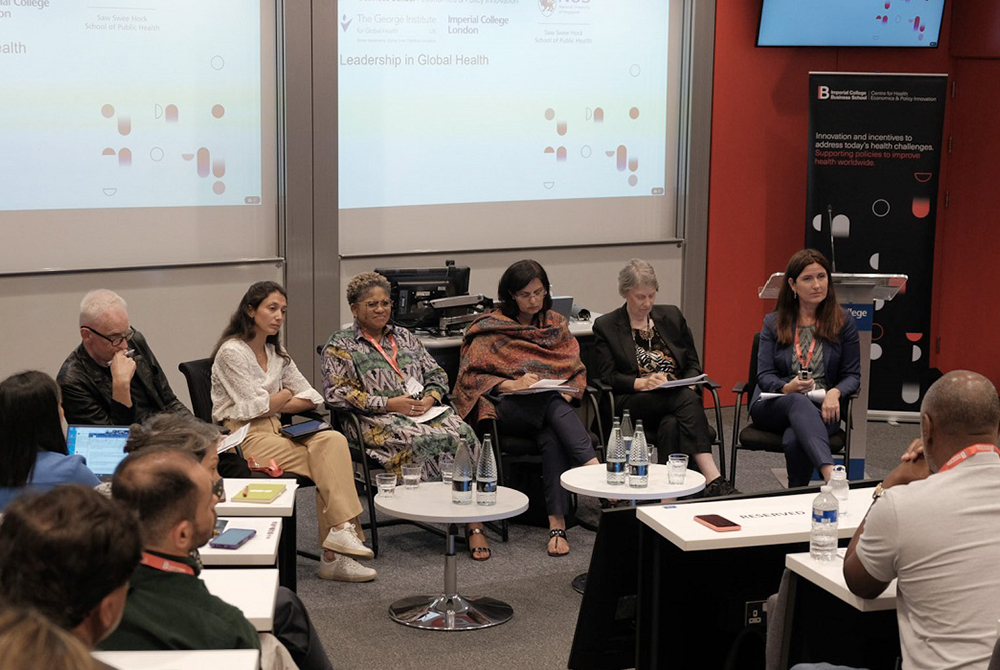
[[519, 451], [755, 439], [671, 429]]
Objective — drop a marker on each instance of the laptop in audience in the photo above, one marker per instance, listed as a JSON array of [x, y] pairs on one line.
[[102, 446]]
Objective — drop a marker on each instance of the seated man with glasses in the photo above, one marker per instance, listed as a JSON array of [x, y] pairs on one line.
[[112, 378]]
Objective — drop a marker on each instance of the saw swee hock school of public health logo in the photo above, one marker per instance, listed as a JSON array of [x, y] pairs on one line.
[[548, 7]]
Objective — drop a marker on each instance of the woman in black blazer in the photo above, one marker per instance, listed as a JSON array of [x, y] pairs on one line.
[[641, 345]]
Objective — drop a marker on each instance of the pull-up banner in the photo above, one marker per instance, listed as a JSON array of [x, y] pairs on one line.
[[874, 156]]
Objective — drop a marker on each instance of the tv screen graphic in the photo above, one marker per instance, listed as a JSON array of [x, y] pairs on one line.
[[850, 23]]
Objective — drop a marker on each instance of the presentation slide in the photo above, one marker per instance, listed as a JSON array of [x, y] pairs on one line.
[[148, 103], [863, 23], [490, 101]]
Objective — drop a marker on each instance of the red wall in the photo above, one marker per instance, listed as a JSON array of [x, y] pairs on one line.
[[758, 169]]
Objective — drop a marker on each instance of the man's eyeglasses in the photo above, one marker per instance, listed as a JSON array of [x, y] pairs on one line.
[[115, 340], [524, 295]]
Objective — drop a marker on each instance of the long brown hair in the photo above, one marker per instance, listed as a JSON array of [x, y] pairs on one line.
[[829, 315], [241, 325]]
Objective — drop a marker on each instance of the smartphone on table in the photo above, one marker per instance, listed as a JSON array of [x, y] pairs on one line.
[[717, 522], [233, 538]]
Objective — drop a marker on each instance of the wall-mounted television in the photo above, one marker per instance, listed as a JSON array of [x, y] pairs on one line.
[[850, 23]]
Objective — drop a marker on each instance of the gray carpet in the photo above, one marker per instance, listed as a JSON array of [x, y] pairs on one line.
[[353, 622]]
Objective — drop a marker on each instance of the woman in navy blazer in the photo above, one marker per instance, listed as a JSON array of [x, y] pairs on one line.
[[641, 345], [807, 343]]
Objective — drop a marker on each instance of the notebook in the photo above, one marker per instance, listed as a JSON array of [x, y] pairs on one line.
[[259, 493], [102, 446]]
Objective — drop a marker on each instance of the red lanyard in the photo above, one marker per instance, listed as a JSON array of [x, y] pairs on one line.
[[966, 453], [395, 350], [804, 364], [165, 564]]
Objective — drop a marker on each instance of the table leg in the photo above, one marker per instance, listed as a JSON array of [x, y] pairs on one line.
[[449, 610]]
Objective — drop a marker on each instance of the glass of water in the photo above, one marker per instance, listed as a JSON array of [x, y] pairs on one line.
[[677, 464], [446, 462], [411, 476], [386, 485]]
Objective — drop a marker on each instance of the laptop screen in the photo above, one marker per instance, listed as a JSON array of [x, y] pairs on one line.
[[102, 446]]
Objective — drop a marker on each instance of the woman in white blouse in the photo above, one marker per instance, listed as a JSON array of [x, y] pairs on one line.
[[254, 380]]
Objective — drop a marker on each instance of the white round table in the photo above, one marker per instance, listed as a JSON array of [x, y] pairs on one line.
[[592, 480], [431, 503]]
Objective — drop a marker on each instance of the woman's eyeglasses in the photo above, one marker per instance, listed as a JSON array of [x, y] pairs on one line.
[[524, 295]]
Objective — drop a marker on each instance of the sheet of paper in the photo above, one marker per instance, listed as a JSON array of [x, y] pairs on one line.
[[234, 439], [434, 411], [816, 395], [548, 383], [680, 382], [543, 389]]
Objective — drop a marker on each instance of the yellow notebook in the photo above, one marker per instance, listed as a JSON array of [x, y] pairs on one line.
[[260, 493]]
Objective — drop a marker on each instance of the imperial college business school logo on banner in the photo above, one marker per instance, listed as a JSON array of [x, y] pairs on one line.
[[874, 156]]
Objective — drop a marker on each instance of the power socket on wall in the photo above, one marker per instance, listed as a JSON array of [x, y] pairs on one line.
[[755, 614]]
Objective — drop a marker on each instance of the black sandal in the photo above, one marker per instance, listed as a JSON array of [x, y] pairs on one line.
[[558, 532], [477, 553]]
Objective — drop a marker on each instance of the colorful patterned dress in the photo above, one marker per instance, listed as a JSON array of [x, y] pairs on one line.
[[357, 377]]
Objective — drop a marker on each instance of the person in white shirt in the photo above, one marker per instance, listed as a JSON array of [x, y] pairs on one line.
[[253, 381], [935, 527]]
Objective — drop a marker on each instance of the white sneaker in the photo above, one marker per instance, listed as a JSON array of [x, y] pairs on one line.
[[344, 569], [346, 541]]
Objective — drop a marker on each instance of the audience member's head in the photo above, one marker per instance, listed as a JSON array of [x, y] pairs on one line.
[[69, 553], [958, 410], [29, 640], [178, 431], [244, 322], [104, 325], [172, 494], [30, 421], [515, 278]]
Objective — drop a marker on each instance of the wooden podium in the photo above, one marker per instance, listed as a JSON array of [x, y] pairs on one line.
[[857, 293]]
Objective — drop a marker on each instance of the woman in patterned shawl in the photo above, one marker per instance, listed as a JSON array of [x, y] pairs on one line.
[[385, 375], [508, 351]]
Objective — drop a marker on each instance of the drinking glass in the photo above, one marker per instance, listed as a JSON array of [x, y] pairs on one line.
[[411, 476], [386, 485]]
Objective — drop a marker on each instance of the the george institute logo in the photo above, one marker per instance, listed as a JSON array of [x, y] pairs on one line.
[[345, 23], [547, 7]]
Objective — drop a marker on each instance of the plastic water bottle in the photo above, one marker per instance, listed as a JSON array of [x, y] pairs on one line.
[[461, 479], [486, 474], [823, 538], [615, 455], [627, 432], [841, 490], [638, 460]]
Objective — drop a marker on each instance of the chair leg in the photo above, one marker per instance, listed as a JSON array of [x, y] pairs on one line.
[[720, 437]]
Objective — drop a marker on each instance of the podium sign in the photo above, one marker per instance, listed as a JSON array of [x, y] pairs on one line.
[[856, 293]]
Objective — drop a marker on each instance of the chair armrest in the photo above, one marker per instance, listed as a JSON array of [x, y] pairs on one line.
[[741, 387], [600, 385], [711, 383]]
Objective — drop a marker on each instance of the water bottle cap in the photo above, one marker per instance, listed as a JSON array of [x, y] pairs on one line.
[[826, 488]]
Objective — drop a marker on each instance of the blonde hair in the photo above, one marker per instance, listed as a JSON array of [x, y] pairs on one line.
[[29, 640]]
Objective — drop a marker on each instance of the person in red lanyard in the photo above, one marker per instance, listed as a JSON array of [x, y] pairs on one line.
[[934, 526], [383, 374], [808, 343]]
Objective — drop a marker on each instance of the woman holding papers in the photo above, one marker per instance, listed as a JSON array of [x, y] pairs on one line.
[[639, 347], [384, 374], [507, 352], [807, 343], [32, 442], [254, 380]]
